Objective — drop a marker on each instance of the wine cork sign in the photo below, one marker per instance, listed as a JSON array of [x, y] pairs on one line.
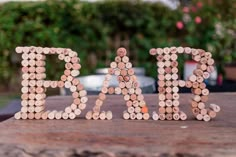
[[168, 84], [34, 85], [128, 87]]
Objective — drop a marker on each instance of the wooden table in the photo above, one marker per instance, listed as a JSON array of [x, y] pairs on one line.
[[120, 137]]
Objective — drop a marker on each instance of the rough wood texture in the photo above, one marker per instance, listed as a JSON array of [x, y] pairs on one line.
[[118, 137]]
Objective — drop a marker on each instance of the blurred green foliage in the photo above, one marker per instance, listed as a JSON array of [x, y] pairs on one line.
[[96, 30]]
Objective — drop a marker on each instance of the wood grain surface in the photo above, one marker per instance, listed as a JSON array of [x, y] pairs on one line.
[[118, 137]]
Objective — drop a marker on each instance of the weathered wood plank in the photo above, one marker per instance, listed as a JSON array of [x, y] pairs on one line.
[[118, 137]]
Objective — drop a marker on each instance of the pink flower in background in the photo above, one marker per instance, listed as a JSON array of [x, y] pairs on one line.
[[199, 4], [198, 20], [193, 9], [186, 9], [179, 25]]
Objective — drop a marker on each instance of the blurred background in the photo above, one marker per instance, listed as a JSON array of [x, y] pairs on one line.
[[95, 29]]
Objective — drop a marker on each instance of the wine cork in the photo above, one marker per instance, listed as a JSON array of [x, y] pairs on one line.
[[176, 116], [206, 118], [180, 50], [155, 116], [206, 75], [77, 112], [211, 113], [160, 58], [125, 59], [24, 116], [210, 61], [174, 76], [197, 91], [160, 51], [198, 72], [197, 98], [24, 109], [153, 52], [144, 109], [137, 109], [76, 66], [118, 59], [132, 116], [199, 117], [121, 65], [200, 79], [89, 115], [192, 78], [128, 65], [204, 98], [169, 116], [17, 115], [109, 115], [175, 89], [203, 111], [51, 115], [129, 103], [65, 115], [169, 110], [175, 109], [166, 50], [19, 49], [73, 106], [24, 103], [175, 96], [161, 70], [126, 115], [44, 115], [38, 115], [173, 57], [205, 92], [195, 52], [84, 99], [131, 109], [174, 69], [202, 85], [183, 116], [162, 116], [201, 105], [58, 115], [30, 116], [194, 104], [169, 103], [187, 50], [82, 106], [131, 72], [195, 84], [67, 59], [72, 115], [102, 115], [215, 107], [175, 83], [162, 110], [168, 89], [160, 64], [167, 63], [121, 52], [146, 116], [173, 49], [31, 103], [117, 90], [139, 116], [196, 111]]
